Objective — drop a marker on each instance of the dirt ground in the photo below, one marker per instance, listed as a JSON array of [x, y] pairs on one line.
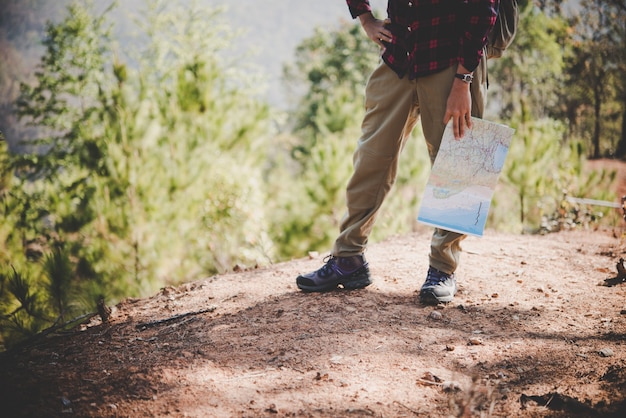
[[535, 331]]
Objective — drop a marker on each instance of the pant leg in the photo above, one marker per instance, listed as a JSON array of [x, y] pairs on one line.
[[391, 114], [478, 89], [433, 91]]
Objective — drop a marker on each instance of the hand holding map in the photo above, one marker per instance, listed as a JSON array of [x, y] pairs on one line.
[[463, 178]]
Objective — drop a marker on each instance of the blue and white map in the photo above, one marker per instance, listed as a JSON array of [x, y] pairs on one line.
[[464, 176]]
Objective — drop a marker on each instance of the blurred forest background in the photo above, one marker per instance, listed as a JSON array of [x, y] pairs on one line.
[[158, 142]]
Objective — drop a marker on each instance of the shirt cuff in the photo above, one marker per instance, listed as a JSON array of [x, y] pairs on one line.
[[361, 9]]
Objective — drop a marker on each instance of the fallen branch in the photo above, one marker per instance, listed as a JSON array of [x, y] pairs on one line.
[[407, 408], [151, 324]]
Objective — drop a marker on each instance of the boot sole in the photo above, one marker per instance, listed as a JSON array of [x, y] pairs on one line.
[[429, 298]]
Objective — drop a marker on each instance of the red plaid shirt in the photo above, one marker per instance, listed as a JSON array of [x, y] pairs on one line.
[[431, 35]]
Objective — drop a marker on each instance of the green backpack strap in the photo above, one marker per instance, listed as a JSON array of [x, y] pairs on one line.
[[504, 30]]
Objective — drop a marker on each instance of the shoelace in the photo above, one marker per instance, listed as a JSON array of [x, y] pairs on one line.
[[331, 260], [435, 277], [328, 261]]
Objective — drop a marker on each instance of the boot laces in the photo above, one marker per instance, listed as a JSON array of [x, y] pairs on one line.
[[327, 268], [435, 277]]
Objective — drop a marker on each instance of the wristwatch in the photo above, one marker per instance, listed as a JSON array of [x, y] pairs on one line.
[[465, 77]]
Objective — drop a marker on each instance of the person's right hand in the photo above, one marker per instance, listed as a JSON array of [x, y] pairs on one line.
[[458, 108], [375, 29]]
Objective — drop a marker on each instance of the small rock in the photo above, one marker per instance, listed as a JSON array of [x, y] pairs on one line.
[[429, 377], [606, 352], [321, 376], [66, 402], [336, 359], [475, 341], [452, 387], [436, 315]]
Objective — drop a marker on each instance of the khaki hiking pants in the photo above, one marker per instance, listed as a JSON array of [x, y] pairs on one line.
[[393, 107]]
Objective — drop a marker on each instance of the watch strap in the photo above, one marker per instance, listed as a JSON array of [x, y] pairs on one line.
[[465, 77]]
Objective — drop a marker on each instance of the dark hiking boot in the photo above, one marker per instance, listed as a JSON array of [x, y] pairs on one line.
[[438, 287], [348, 272]]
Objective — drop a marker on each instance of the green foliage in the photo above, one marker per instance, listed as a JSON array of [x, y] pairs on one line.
[[58, 269], [591, 97], [5, 173], [595, 99], [541, 170], [533, 154], [22, 312], [139, 178], [526, 82], [200, 144], [540, 92], [308, 207], [333, 66], [67, 98]]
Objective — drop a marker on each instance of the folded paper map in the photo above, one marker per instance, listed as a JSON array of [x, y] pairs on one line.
[[464, 176]]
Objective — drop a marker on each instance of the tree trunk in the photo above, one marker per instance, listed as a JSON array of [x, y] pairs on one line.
[[620, 152], [597, 128]]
